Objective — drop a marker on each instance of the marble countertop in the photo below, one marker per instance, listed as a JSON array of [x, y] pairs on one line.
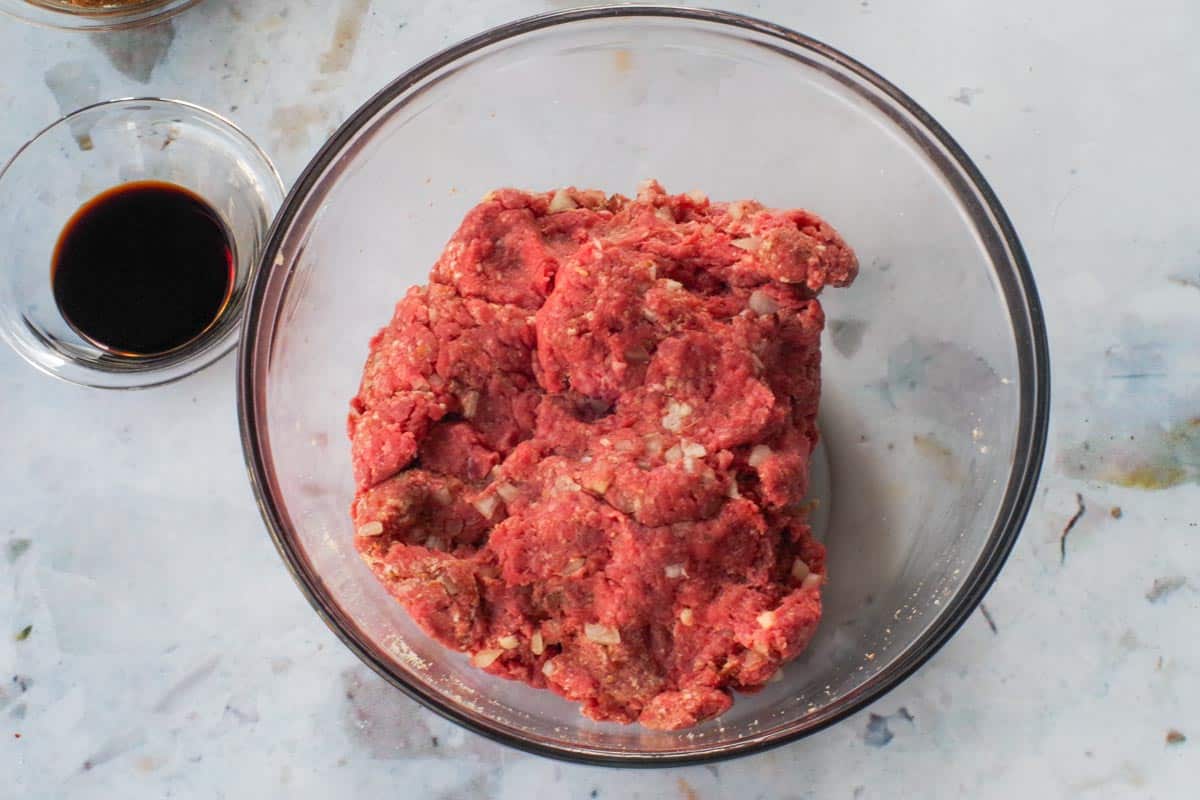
[[138, 659]]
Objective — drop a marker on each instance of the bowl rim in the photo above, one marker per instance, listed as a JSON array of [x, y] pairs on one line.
[[158, 370], [1020, 294], [96, 20]]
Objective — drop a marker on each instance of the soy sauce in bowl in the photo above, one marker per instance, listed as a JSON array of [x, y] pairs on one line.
[[143, 269]]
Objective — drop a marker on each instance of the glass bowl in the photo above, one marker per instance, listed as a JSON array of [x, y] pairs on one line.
[[97, 148], [936, 391], [94, 15]]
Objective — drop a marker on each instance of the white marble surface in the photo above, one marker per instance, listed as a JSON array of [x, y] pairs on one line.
[[170, 654]]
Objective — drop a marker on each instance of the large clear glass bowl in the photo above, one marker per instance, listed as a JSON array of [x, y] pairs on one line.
[[935, 374]]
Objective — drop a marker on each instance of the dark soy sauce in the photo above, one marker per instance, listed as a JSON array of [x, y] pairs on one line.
[[143, 268]]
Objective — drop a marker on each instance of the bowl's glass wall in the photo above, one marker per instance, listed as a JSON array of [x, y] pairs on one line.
[[93, 150], [921, 402]]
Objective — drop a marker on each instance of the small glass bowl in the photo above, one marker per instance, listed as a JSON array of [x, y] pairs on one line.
[[95, 149], [103, 15]]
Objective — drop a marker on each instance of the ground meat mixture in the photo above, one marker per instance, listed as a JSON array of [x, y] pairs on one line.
[[582, 450]]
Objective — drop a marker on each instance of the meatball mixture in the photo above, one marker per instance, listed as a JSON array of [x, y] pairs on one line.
[[581, 451]]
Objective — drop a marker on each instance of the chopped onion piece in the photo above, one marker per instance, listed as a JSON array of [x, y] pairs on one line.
[[601, 634], [800, 570], [371, 529], [758, 455], [561, 202], [485, 658], [597, 483], [486, 505], [470, 404], [762, 303], [676, 413]]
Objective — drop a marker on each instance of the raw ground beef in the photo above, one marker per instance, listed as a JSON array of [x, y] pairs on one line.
[[582, 450]]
